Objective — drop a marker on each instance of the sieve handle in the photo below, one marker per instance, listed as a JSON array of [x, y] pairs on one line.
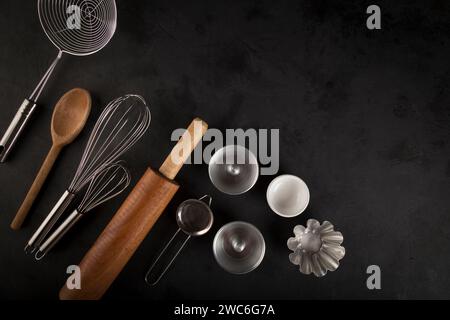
[[168, 254]]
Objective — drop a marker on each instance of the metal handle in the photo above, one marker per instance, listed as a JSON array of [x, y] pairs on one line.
[[58, 234], [15, 128], [41, 85], [170, 252], [49, 221]]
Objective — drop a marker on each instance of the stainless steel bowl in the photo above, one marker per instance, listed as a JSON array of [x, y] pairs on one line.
[[239, 247]]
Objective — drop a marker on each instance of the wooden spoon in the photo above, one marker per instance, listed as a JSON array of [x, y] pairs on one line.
[[69, 117]]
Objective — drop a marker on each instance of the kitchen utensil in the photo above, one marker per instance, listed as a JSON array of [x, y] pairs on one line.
[[135, 218], [119, 127], [233, 169], [97, 24], [69, 118], [105, 185], [239, 247], [317, 248], [287, 195], [194, 218]]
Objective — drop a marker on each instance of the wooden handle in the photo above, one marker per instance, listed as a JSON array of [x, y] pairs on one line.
[[27, 203], [187, 143], [122, 236]]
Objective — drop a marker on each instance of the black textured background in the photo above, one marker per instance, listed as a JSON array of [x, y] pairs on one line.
[[364, 118]]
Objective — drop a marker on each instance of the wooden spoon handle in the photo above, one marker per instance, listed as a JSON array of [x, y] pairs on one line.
[[36, 187]]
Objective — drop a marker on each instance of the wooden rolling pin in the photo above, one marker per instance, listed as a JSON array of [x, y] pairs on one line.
[[131, 224]]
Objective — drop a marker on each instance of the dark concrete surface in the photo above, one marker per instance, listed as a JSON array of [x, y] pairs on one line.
[[364, 118]]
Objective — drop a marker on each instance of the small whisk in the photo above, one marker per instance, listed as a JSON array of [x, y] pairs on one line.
[[119, 127], [105, 185]]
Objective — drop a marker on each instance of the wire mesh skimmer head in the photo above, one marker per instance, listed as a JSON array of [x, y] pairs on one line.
[[105, 185], [119, 127], [78, 27]]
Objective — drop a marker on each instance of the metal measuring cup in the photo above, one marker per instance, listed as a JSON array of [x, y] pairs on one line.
[[194, 218]]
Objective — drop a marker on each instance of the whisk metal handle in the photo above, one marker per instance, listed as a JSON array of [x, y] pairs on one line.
[[53, 239], [170, 252], [49, 221], [36, 187]]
